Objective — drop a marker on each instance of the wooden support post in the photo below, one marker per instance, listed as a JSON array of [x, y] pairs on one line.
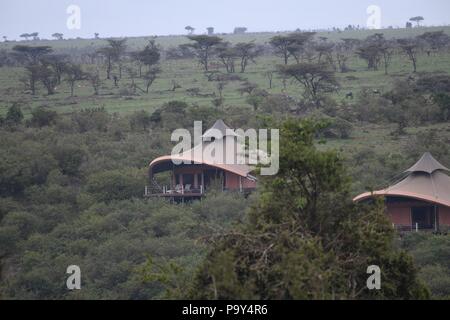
[[173, 181], [203, 182], [182, 183], [195, 180], [436, 220], [146, 190], [417, 227]]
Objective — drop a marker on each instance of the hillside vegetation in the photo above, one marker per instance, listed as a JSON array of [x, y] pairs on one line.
[[82, 119]]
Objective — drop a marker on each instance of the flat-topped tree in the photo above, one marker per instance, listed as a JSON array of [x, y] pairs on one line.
[[316, 79], [298, 43], [58, 62], [35, 35], [25, 36], [190, 29], [74, 73], [247, 52], [149, 56], [281, 45], [113, 53], [32, 53], [227, 55], [203, 48], [375, 50], [58, 36], [290, 45], [434, 40], [410, 47], [417, 20]]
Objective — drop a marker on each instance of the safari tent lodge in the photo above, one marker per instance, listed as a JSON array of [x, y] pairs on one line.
[[420, 200], [199, 170]]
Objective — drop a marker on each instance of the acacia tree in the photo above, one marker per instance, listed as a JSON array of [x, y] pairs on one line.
[[316, 79], [74, 73], [113, 53], [281, 45], [150, 77], [377, 50], [325, 52], [35, 35], [300, 42], [227, 55], [95, 81], [151, 54], [31, 78], [119, 47], [48, 78], [387, 50], [25, 36], [247, 52], [189, 29], [203, 48], [417, 20], [305, 238], [32, 56], [58, 36], [434, 40], [341, 56], [291, 45], [58, 62], [370, 51], [410, 47], [269, 76]]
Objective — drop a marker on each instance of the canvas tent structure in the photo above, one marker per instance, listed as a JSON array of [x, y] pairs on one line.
[[421, 199], [193, 171]]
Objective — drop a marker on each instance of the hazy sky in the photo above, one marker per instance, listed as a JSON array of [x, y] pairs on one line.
[[161, 17]]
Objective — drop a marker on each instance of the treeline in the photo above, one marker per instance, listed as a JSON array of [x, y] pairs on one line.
[[313, 56]]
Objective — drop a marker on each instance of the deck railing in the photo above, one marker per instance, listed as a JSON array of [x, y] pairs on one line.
[[180, 191], [417, 228]]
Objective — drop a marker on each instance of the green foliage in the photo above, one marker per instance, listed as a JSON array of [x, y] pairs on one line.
[[118, 184], [47, 162], [316, 79], [305, 239], [42, 117], [14, 115], [431, 254], [69, 159]]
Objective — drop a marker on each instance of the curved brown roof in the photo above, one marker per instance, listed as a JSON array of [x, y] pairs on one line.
[[197, 155], [426, 181]]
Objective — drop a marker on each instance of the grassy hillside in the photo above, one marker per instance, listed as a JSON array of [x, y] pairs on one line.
[[73, 173]]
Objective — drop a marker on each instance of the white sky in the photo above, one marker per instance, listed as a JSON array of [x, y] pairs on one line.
[[162, 17]]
